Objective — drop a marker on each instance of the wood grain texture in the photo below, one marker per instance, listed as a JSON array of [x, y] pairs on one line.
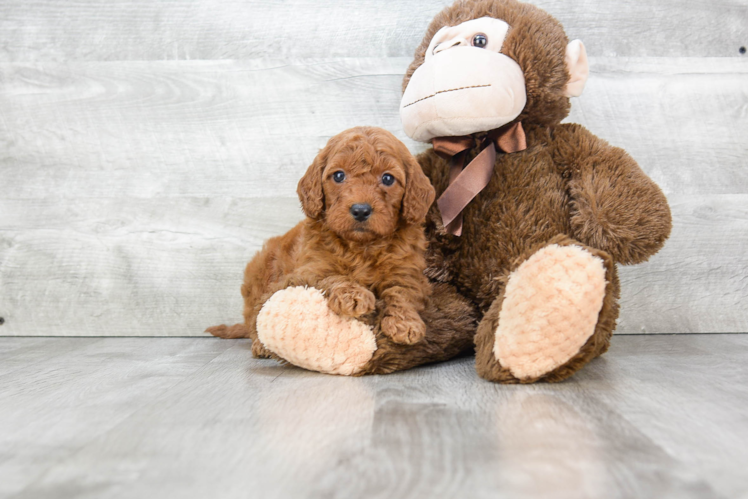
[[135, 192], [658, 416], [86, 387], [171, 267], [250, 129], [205, 128], [699, 281], [115, 30], [136, 266], [683, 120]]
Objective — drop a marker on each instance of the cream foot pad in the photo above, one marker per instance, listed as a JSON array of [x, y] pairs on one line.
[[297, 325], [550, 309]]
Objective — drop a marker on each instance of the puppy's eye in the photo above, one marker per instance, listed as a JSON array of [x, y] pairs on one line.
[[338, 176], [388, 179], [480, 40]]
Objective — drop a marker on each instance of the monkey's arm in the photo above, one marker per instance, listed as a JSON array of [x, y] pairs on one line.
[[614, 205]]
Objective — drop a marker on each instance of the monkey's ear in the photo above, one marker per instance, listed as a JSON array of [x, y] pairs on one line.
[[310, 188], [419, 193], [578, 67]]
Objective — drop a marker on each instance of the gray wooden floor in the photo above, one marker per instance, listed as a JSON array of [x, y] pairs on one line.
[[190, 417]]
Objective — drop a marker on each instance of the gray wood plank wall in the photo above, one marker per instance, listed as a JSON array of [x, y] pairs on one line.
[[148, 148]]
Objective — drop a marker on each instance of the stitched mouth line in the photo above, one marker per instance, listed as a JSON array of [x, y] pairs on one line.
[[444, 91]]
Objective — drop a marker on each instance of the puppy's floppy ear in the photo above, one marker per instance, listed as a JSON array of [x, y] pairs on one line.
[[310, 187], [419, 193]]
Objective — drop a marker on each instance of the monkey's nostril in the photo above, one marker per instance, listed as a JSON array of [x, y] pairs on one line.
[[361, 211]]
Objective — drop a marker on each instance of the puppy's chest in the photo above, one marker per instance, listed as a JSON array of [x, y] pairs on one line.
[[366, 272]]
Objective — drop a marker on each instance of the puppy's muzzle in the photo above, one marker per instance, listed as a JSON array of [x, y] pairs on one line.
[[361, 211]]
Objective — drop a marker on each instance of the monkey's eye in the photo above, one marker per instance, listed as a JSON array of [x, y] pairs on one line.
[[338, 176], [388, 179], [480, 40]]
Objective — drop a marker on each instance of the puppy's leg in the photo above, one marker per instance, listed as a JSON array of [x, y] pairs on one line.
[[266, 273], [346, 298], [254, 289], [403, 325], [401, 320]]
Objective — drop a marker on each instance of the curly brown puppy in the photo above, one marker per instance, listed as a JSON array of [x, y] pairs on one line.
[[362, 243]]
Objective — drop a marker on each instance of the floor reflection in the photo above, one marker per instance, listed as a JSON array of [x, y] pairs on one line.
[[308, 424], [548, 447]]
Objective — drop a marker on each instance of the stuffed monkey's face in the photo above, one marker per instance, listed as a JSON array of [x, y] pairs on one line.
[[465, 84]]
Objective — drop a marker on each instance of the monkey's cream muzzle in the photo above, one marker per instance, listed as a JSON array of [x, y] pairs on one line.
[[460, 88]]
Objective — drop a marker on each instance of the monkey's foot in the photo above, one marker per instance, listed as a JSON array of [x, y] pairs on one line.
[[550, 309], [296, 325]]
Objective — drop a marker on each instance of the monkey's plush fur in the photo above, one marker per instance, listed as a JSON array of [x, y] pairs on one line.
[[568, 188], [568, 195]]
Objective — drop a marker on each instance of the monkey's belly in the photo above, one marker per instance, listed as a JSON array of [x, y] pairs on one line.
[[494, 238]]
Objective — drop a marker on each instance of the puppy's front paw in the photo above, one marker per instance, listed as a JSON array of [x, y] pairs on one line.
[[350, 300], [403, 326]]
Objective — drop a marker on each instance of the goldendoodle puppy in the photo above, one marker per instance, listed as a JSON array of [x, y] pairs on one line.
[[362, 242]]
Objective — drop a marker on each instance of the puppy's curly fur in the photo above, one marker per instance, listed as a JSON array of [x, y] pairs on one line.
[[360, 265]]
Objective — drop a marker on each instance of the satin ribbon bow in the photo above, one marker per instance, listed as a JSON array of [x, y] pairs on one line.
[[465, 183]]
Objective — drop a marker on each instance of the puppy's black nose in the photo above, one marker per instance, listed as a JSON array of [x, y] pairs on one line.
[[361, 211]]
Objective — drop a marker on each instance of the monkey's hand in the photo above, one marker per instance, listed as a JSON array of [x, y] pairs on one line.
[[615, 207]]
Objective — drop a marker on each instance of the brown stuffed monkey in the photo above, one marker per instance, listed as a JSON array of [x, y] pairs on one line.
[[532, 216]]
